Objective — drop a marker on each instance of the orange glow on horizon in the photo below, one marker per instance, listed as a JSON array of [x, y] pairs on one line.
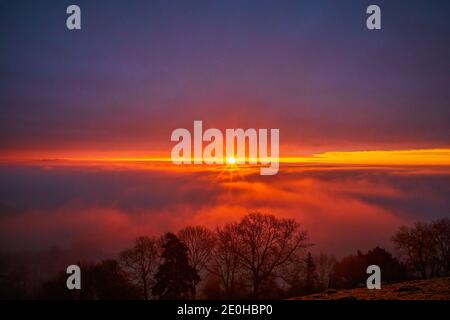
[[379, 157], [369, 157]]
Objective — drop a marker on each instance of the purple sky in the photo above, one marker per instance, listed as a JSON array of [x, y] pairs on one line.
[[139, 69]]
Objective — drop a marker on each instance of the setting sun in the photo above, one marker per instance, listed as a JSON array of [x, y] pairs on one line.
[[231, 160]]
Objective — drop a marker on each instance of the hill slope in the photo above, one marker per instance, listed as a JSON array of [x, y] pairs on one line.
[[431, 289]]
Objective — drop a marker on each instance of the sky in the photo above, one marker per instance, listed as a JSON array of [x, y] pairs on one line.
[[137, 70], [363, 117]]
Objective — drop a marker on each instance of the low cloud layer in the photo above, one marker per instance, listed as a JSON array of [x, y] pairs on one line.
[[343, 208]]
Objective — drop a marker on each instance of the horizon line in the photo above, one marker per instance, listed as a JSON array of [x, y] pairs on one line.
[[437, 156]]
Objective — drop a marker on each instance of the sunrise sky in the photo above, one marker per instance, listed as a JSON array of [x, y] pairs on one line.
[[86, 117]]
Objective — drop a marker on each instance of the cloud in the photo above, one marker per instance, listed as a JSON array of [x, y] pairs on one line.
[[343, 208]]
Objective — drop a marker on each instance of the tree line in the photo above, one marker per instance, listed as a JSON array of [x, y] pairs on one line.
[[261, 256]]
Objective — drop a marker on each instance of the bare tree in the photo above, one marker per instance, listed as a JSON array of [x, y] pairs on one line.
[[225, 262], [441, 236], [200, 243], [263, 244], [419, 246], [141, 262], [324, 264]]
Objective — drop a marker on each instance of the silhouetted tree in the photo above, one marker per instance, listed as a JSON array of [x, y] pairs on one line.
[[302, 276], [109, 281], [264, 243], [200, 243], [225, 263], [325, 265], [141, 262], [441, 234], [311, 279], [103, 281], [426, 247], [417, 245], [350, 271], [175, 278], [392, 270]]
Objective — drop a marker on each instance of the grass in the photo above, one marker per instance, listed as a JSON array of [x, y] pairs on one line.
[[431, 289]]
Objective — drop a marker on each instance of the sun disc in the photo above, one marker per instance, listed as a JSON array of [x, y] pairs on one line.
[[231, 160]]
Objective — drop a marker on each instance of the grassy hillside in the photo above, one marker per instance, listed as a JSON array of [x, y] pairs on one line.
[[432, 289]]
